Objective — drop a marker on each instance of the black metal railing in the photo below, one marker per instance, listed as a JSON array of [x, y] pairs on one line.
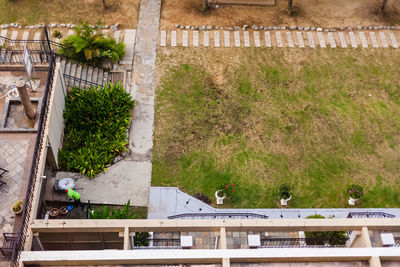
[[370, 214], [397, 241], [34, 172], [277, 242], [71, 81], [12, 51], [162, 243], [221, 215]]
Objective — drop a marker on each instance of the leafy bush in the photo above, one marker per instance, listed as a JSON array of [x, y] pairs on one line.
[[228, 190], [355, 191], [96, 121], [57, 34], [142, 239], [333, 238], [284, 191], [110, 213], [89, 46]]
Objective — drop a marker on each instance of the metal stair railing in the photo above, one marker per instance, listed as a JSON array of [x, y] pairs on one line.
[[369, 214], [220, 215]]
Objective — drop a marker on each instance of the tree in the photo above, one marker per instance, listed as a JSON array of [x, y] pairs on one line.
[[290, 7], [384, 2]]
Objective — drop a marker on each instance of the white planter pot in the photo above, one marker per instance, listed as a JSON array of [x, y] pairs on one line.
[[284, 202], [220, 200], [352, 201]]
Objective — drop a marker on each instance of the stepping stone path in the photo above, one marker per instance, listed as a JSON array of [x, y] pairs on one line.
[[196, 38], [268, 39], [185, 38], [216, 39], [246, 38], [206, 38], [117, 34], [289, 39], [363, 39], [311, 41], [129, 41], [279, 39], [321, 40], [383, 39], [227, 38], [173, 38], [331, 39], [300, 39], [257, 42], [342, 39], [237, 38], [353, 40], [373, 39], [394, 40], [163, 38]]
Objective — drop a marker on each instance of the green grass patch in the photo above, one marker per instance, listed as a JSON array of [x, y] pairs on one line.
[[96, 121], [317, 120]]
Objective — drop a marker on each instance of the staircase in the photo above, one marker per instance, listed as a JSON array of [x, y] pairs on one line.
[[82, 76]]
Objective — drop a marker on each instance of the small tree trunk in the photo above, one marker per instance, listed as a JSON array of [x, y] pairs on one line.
[[205, 5], [384, 2], [26, 102], [103, 3], [290, 6]]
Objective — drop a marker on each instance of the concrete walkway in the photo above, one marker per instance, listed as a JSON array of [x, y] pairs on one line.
[[167, 201]]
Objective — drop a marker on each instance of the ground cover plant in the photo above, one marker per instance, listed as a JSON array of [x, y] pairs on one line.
[[89, 46], [96, 121], [315, 120], [111, 213]]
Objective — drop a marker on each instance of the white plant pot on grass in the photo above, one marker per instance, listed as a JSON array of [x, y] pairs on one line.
[[284, 202], [352, 201], [220, 199]]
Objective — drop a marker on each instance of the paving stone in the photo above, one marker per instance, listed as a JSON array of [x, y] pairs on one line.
[[236, 36], [246, 39], [14, 35], [310, 38], [257, 42], [289, 39], [227, 39], [342, 39], [278, 36], [163, 38], [373, 39], [3, 33], [70, 32], [321, 39], [25, 35], [363, 40], [353, 40], [300, 39], [331, 40], [173, 38], [117, 34], [185, 38], [383, 39], [206, 38], [216, 39], [268, 42], [129, 41], [394, 40], [195, 38]]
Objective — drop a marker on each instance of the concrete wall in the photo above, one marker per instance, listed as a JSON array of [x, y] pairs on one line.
[[56, 120]]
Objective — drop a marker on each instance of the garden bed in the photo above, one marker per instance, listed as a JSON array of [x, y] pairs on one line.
[[317, 120]]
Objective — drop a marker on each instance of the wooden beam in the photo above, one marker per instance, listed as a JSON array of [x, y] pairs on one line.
[[222, 238]]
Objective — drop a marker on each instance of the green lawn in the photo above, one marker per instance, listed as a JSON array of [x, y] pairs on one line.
[[317, 120]]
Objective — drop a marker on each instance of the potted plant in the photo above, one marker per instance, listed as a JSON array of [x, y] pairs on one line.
[[284, 193], [226, 190], [355, 192], [142, 239], [17, 208], [58, 35], [327, 238]]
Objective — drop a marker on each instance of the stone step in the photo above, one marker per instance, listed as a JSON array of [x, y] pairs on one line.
[[78, 74], [94, 75], [84, 73], [72, 73], [100, 77], [89, 75], [63, 64]]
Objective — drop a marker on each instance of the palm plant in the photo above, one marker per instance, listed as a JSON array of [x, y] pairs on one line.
[[89, 46]]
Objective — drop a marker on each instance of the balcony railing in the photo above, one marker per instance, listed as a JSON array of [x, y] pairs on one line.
[[207, 216], [162, 243], [274, 242], [368, 214]]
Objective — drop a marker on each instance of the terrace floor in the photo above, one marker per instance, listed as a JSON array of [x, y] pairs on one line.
[[16, 151]]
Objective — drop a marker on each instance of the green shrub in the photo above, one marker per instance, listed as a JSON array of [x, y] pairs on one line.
[[284, 191], [142, 239], [110, 213], [57, 34], [89, 46], [333, 238], [96, 121], [355, 191]]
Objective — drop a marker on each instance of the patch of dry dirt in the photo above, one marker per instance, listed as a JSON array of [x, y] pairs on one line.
[[324, 13]]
